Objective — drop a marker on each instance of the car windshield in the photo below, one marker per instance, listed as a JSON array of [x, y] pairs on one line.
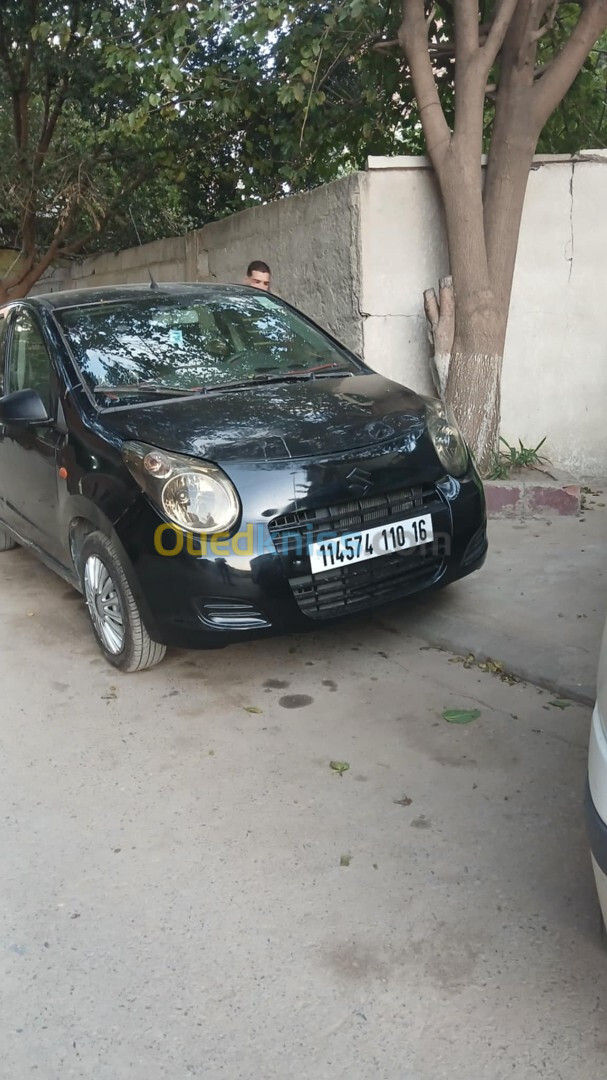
[[141, 347]]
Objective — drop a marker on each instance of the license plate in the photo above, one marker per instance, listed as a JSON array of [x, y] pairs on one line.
[[370, 543]]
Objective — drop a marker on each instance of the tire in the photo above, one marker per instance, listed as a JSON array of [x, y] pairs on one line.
[[6, 541], [112, 608]]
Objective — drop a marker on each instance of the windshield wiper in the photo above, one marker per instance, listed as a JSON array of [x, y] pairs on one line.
[[150, 387], [330, 372], [287, 376], [147, 387]]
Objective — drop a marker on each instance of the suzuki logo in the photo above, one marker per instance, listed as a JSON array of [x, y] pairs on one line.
[[359, 480]]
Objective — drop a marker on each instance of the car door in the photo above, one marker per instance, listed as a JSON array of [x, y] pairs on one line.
[[29, 452]]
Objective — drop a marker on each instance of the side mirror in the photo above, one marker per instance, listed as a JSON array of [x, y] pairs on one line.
[[23, 407]]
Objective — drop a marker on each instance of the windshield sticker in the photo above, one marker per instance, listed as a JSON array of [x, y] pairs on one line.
[[175, 337], [267, 302]]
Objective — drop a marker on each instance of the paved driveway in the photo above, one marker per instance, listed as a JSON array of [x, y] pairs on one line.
[[189, 890]]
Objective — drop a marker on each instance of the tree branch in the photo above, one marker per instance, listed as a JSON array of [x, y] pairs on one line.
[[413, 37], [560, 73], [466, 28], [22, 275], [497, 32], [51, 118], [77, 245], [48, 128], [383, 46]]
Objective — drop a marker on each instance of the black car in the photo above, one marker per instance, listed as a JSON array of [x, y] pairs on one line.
[[205, 464]]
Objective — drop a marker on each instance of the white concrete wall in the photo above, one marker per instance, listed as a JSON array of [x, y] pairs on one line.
[[403, 252], [555, 363]]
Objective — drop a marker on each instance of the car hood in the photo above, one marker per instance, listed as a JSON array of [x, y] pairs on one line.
[[278, 421]]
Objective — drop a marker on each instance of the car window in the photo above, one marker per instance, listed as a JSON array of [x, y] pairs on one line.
[[29, 364], [195, 343]]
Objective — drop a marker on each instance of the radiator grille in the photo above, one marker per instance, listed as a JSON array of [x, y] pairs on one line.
[[354, 587]]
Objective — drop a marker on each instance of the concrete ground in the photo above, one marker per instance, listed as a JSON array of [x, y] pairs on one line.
[[538, 606], [189, 890]]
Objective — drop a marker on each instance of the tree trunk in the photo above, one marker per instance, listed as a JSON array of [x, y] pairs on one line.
[[475, 370], [19, 286], [475, 366], [513, 142]]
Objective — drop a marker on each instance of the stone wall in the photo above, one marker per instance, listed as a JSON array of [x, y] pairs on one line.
[[310, 241]]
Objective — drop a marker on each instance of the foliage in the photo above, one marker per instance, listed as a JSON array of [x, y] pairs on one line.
[[87, 105], [580, 122], [339, 90], [306, 99], [513, 458], [306, 91]]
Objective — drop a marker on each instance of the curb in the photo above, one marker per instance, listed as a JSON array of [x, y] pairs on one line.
[[542, 666], [533, 496]]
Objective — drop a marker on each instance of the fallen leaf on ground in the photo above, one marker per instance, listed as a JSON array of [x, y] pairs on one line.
[[559, 703], [405, 801], [495, 667], [345, 860], [253, 709], [461, 716], [339, 766]]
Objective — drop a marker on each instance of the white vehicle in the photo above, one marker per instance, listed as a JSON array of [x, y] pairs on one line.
[[596, 789]]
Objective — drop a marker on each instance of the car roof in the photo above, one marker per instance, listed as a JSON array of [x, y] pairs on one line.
[[108, 294]]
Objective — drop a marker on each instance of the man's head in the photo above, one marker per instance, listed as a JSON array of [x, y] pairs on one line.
[[259, 275]]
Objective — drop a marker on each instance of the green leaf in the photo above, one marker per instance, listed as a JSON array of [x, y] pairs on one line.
[[461, 716], [339, 766], [345, 860], [560, 704], [253, 709]]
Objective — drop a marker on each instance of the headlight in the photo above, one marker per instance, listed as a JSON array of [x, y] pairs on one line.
[[447, 438], [195, 495]]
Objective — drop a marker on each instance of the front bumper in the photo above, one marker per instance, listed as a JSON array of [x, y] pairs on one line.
[[257, 585]]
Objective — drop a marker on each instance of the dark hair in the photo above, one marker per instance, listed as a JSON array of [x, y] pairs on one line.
[[258, 265]]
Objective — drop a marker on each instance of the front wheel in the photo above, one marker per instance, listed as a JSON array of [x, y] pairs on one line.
[[115, 617]]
